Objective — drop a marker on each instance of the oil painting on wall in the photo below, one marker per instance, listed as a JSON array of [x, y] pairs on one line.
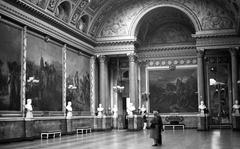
[[44, 63], [173, 91], [78, 83], [10, 67]]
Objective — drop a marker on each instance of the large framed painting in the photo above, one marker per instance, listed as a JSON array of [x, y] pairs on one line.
[[78, 81], [10, 66], [173, 91], [44, 63]]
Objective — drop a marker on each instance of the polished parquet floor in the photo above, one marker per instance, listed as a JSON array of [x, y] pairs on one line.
[[188, 139]]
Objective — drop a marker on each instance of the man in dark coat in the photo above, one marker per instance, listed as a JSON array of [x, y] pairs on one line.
[[160, 129]]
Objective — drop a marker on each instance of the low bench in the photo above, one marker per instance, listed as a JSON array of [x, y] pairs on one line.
[[84, 129], [50, 133], [173, 126]]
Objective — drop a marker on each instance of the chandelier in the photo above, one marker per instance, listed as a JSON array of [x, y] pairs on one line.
[[118, 88]]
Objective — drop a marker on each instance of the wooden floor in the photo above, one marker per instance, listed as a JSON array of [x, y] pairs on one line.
[[188, 139]]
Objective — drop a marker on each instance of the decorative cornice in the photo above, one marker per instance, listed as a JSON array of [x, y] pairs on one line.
[[165, 48], [215, 34], [116, 47], [116, 41]]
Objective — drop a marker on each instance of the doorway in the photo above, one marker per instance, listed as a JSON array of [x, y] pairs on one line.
[[219, 95]]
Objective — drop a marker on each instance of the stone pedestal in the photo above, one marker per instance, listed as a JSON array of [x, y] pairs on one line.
[[131, 123], [107, 125], [99, 123], [115, 122], [135, 122], [69, 126], [29, 129], [138, 122], [202, 122], [103, 123], [236, 122]]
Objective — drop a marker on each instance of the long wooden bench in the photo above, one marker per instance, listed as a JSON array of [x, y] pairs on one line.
[[50, 133], [85, 129], [173, 126]]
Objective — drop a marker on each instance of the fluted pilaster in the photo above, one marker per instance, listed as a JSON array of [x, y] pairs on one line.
[[200, 71], [234, 65]]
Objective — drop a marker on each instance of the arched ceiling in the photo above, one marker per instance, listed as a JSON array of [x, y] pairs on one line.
[[165, 25], [111, 18]]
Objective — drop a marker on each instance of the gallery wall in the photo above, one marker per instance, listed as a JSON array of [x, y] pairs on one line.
[[25, 54]]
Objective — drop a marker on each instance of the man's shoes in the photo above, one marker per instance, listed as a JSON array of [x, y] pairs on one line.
[[154, 145]]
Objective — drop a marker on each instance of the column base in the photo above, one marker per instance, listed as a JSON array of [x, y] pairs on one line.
[[236, 122]]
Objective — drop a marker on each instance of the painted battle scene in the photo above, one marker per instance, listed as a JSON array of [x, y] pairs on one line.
[[78, 81], [173, 91], [10, 67], [44, 63]]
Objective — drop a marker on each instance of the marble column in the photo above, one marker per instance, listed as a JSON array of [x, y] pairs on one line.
[[93, 85], [102, 81], [64, 94], [200, 71], [234, 65], [133, 79]]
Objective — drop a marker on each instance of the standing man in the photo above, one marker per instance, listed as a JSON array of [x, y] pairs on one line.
[[160, 129]]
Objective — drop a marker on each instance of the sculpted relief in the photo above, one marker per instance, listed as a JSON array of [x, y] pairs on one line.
[[210, 15], [120, 20]]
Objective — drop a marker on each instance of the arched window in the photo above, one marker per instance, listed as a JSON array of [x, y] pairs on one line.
[[83, 23], [63, 11]]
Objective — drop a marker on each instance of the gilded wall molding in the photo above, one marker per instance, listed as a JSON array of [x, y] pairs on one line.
[[170, 62]]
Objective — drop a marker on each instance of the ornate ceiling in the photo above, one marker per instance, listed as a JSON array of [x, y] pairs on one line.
[[117, 18]]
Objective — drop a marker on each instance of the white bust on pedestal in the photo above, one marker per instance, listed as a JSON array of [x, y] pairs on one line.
[[69, 109], [100, 110], [130, 110], [202, 107], [115, 111], [236, 108], [29, 109]]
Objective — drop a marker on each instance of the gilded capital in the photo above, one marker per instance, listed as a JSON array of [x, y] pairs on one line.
[[93, 58], [132, 57], [102, 58], [233, 51], [200, 53]]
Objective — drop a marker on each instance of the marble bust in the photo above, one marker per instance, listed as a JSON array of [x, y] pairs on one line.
[[236, 108], [69, 109], [130, 110], [100, 110], [202, 107], [29, 109]]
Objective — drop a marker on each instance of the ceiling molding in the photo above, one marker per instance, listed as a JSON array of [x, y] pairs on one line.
[[54, 20]]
